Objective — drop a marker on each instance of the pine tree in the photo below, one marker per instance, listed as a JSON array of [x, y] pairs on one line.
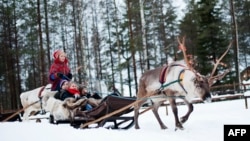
[[208, 35], [242, 13]]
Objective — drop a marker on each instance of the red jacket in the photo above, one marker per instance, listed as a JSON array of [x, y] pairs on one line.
[[57, 67]]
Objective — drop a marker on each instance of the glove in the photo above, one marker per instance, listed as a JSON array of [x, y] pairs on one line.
[[59, 74], [69, 75], [77, 96], [88, 95]]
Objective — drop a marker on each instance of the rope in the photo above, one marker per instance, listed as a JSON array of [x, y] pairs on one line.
[[165, 96], [114, 112], [19, 111], [125, 108]]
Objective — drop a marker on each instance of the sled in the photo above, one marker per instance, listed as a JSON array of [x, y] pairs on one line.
[[111, 103], [10, 116]]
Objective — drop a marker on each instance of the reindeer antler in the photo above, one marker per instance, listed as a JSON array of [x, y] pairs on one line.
[[182, 47], [218, 77], [216, 65], [218, 61]]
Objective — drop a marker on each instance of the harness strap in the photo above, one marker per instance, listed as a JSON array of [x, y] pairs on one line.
[[172, 65], [40, 100], [163, 74], [162, 77], [181, 75], [40, 92], [160, 96], [179, 80], [167, 84]]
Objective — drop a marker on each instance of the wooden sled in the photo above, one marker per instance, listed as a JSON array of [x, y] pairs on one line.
[[9, 116], [108, 105]]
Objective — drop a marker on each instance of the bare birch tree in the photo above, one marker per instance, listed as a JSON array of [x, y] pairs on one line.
[[144, 44]]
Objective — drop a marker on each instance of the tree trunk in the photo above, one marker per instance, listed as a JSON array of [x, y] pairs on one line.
[[42, 64], [144, 44], [131, 40], [47, 31], [16, 98], [118, 45], [236, 49]]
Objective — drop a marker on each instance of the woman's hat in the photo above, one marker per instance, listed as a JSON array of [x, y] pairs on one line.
[[62, 82], [57, 53]]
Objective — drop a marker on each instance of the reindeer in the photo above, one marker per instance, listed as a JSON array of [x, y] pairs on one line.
[[181, 81]]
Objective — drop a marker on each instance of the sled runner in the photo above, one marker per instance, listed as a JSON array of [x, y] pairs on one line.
[[111, 103]]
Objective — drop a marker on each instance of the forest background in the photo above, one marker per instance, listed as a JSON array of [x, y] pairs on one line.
[[115, 41]]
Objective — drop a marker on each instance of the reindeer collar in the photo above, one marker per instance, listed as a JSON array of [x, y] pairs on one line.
[[164, 72], [40, 92], [179, 80]]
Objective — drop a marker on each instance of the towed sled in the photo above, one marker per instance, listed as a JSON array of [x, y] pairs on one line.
[[110, 104], [9, 116]]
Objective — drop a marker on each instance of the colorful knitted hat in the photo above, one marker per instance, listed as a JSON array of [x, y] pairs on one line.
[[57, 53], [62, 82]]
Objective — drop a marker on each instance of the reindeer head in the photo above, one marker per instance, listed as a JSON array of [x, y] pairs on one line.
[[203, 83]]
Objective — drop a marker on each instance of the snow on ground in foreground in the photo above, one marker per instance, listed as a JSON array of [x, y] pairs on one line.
[[205, 123]]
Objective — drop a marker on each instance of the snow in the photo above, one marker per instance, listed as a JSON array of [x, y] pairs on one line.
[[206, 123], [247, 92]]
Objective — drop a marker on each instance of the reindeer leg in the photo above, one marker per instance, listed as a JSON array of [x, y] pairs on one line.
[[26, 115], [190, 110], [136, 113], [178, 125], [155, 111]]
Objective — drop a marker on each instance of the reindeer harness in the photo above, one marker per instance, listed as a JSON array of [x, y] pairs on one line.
[[40, 100], [164, 73]]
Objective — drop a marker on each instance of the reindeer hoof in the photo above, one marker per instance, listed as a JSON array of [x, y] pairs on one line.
[[164, 127], [183, 119], [137, 127], [179, 126], [38, 120], [176, 128]]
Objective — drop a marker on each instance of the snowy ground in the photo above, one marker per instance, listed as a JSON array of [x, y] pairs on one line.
[[206, 123]]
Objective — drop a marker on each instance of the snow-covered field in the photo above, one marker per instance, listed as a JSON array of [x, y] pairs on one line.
[[206, 123]]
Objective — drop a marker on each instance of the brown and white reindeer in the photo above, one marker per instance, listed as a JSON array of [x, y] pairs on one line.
[[177, 80]]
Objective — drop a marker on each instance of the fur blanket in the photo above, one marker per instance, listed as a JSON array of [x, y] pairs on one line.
[[63, 110]]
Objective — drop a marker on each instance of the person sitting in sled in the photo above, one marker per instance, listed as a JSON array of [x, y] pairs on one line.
[[95, 97], [84, 92], [64, 85], [59, 70], [72, 90]]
